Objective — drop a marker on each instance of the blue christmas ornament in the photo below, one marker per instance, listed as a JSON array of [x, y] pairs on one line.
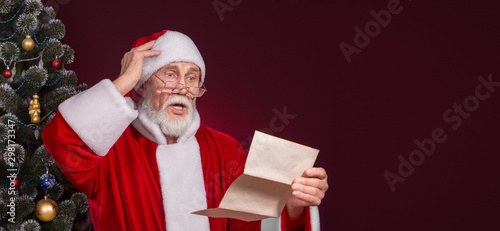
[[47, 181]]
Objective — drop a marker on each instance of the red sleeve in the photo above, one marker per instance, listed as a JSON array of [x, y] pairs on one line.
[[75, 159]]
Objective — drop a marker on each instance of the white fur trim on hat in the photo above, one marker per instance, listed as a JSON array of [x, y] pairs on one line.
[[175, 47]]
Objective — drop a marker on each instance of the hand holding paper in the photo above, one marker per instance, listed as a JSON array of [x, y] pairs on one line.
[[308, 190], [265, 186]]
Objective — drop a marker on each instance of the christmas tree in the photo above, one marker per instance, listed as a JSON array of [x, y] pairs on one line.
[[34, 194]]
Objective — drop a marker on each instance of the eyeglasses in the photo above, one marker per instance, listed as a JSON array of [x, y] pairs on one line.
[[176, 87]]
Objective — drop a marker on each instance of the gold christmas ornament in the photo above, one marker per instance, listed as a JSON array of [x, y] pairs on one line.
[[35, 118], [34, 110], [28, 43], [46, 209]]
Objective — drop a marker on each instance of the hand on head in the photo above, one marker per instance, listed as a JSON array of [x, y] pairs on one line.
[[131, 69]]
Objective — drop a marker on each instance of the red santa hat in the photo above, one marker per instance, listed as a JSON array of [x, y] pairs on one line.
[[175, 47]]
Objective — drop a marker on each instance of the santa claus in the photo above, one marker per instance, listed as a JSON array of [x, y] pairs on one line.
[[148, 165]]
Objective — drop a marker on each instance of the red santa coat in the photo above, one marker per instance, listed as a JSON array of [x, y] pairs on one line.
[[126, 169]]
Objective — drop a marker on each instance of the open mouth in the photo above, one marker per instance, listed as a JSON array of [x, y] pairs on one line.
[[178, 108]]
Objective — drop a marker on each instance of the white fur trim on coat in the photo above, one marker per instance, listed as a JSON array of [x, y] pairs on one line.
[[314, 212], [274, 224], [175, 47], [99, 115], [181, 175]]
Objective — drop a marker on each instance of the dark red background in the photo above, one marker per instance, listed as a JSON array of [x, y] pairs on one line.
[[271, 54]]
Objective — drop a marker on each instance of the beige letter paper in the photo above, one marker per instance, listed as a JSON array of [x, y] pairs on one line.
[[264, 187]]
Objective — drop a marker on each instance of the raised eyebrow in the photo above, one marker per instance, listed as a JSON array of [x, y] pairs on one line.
[[196, 70], [167, 68]]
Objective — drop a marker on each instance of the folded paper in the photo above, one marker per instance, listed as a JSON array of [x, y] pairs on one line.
[[264, 187]]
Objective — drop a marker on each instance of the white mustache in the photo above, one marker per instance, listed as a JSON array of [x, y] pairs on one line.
[[177, 99], [170, 126]]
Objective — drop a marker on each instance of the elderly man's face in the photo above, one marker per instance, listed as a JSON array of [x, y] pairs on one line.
[[167, 103], [185, 73]]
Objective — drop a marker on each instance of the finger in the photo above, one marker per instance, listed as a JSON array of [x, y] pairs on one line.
[[312, 182], [306, 199], [313, 191], [145, 46], [149, 53], [139, 55], [315, 173]]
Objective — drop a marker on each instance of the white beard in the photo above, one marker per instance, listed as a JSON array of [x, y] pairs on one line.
[[170, 127]]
